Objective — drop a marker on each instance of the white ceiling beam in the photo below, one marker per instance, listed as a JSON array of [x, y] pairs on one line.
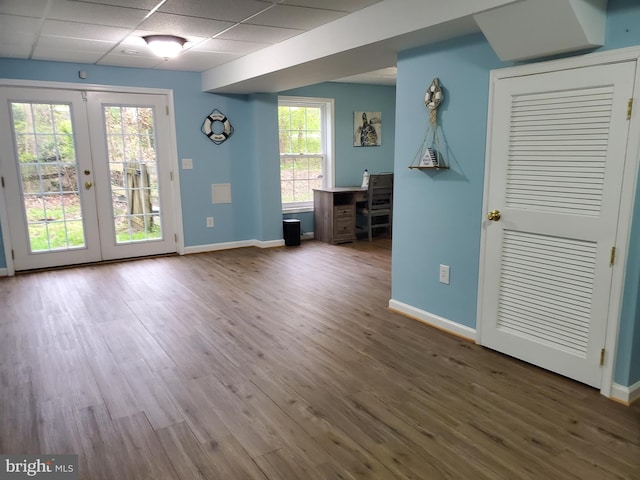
[[366, 40]]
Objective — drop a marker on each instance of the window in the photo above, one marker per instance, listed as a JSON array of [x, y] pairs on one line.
[[306, 147]]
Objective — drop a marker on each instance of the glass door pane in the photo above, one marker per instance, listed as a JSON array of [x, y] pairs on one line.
[[48, 178], [48, 172], [132, 158], [133, 172]]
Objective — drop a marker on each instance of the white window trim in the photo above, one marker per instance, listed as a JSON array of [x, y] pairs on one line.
[[328, 180]]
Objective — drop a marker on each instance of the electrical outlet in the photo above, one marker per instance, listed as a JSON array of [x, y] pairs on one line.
[[444, 274], [187, 163], [209, 222]]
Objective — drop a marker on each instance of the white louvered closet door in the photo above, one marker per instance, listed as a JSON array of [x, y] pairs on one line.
[[557, 144]]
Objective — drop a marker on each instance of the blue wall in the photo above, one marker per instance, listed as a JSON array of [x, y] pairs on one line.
[[351, 161], [438, 215]]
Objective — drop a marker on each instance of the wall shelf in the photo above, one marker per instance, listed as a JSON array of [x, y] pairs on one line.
[[417, 167]]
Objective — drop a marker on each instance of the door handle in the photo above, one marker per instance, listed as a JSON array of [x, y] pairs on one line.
[[494, 215], [88, 185]]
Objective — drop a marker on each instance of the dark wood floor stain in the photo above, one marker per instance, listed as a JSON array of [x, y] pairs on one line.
[[281, 363]]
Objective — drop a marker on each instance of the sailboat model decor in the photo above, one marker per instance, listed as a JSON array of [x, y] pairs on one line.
[[429, 154]]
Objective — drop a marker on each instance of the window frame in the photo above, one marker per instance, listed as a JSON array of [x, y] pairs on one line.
[[327, 123]]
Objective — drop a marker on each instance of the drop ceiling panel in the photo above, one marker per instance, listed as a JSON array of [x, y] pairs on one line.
[[97, 14], [233, 11], [229, 46], [197, 61], [184, 26], [51, 44], [120, 59], [295, 17], [17, 35], [27, 8], [339, 5], [88, 31], [141, 4], [59, 55], [259, 33]]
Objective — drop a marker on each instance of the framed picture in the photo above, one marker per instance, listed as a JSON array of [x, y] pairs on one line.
[[367, 129]]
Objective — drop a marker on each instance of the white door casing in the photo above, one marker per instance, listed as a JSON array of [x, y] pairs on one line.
[[555, 170]]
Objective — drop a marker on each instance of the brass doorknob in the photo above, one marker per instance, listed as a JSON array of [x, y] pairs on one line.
[[88, 185], [494, 215]]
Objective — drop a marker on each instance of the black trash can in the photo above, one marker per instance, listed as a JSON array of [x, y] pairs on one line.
[[291, 231]]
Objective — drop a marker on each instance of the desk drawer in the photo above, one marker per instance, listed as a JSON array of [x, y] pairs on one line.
[[360, 196], [343, 229], [343, 212]]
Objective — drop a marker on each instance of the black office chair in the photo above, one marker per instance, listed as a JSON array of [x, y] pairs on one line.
[[377, 211]]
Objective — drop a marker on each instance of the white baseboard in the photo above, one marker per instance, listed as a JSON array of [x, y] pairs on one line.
[[229, 245], [626, 395], [3, 272], [440, 323], [269, 243]]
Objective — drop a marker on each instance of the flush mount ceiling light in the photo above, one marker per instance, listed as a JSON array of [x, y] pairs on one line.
[[165, 46]]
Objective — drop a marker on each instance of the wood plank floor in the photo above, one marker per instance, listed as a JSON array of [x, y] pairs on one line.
[[280, 364]]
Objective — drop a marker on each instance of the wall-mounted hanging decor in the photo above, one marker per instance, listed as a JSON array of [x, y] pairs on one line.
[[367, 129], [429, 154], [217, 127]]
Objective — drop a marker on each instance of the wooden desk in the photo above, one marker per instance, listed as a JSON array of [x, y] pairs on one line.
[[334, 219]]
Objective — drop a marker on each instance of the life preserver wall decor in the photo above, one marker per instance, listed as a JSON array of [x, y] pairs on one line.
[[217, 135]]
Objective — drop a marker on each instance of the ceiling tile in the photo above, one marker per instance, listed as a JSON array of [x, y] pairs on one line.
[[47, 42], [141, 4], [61, 28], [259, 33], [27, 8], [288, 16], [97, 14], [229, 46], [197, 61], [17, 35], [59, 55], [16, 50], [123, 60], [170, 24], [340, 5], [233, 11]]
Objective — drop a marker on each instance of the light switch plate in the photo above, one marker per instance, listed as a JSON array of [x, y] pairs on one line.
[[444, 274], [187, 163]]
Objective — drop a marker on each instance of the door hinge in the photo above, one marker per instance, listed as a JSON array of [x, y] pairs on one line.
[[175, 237], [2, 181], [602, 351], [629, 108], [84, 95], [171, 176], [612, 258], [13, 255], [167, 109]]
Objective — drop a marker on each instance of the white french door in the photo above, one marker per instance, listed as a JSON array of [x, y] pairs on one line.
[[558, 145], [87, 176]]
